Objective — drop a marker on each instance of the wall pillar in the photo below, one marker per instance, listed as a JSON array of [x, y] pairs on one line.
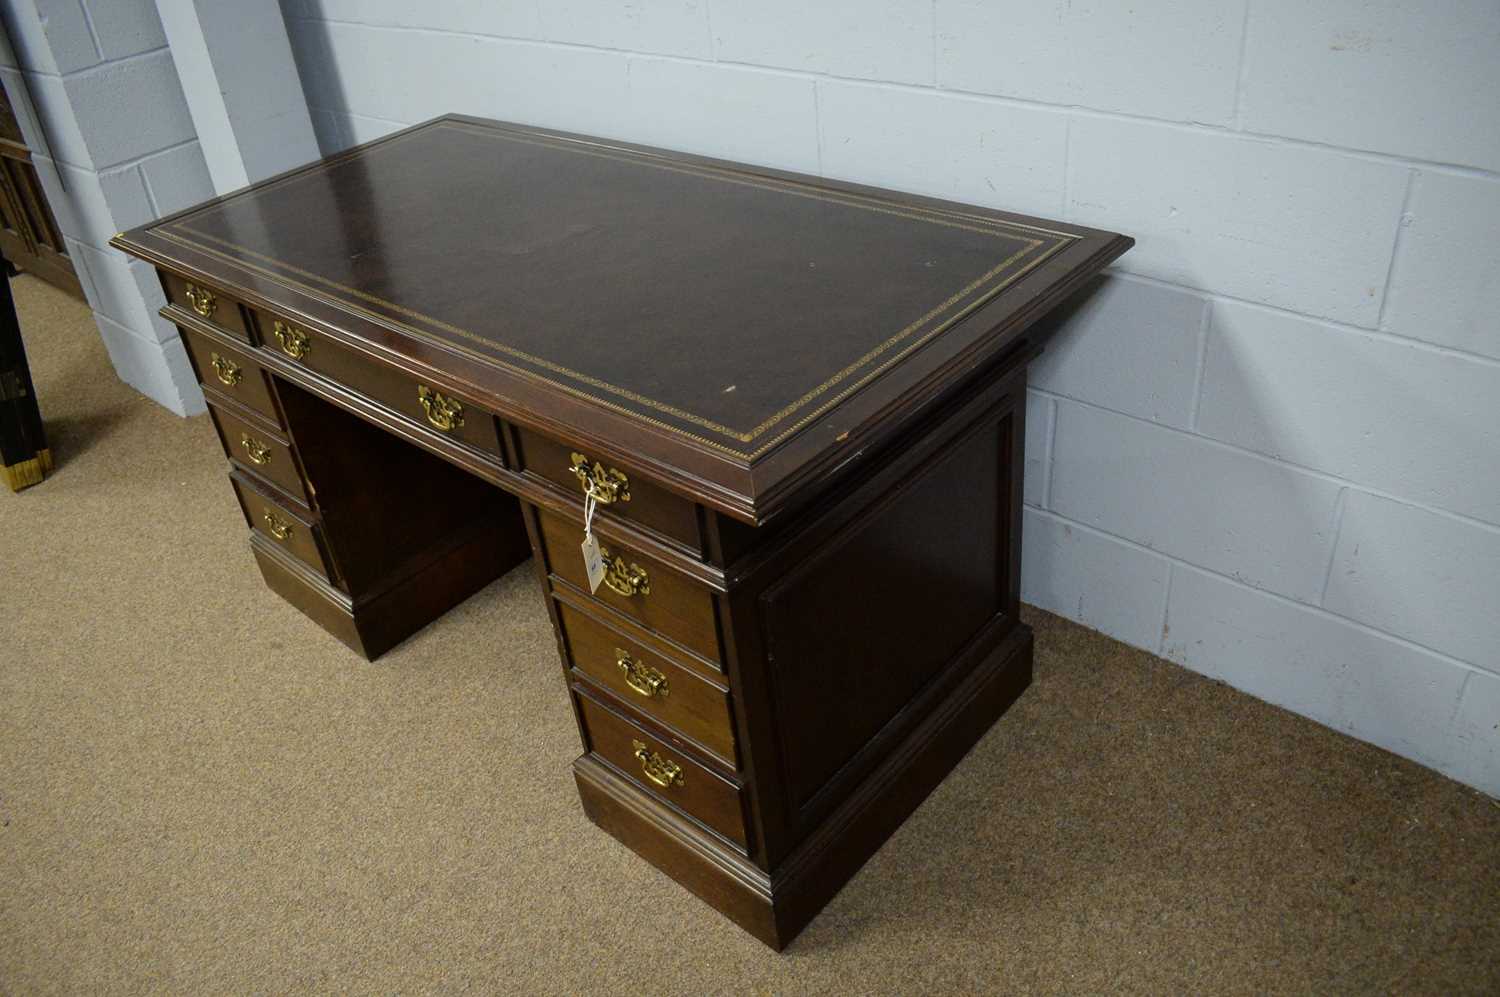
[[242, 89], [118, 140], [99, 105]]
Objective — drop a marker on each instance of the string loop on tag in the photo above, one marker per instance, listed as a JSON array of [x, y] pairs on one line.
[[590, 503], [593, 557]]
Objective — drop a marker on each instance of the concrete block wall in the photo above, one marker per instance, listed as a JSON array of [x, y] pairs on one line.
[[101, 108], [1268, 446]]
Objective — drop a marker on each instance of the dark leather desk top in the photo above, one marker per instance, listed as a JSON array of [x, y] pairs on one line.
[[734, 328]]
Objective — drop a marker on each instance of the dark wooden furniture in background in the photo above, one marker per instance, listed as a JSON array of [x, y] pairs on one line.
[[29, 236], [800, 404], [23, 445]]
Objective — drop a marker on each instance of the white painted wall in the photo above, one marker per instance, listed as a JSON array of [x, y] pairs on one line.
[[1269, 447]]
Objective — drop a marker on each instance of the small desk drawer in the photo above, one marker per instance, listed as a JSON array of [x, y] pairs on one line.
[[421, 403], [230, 372], [259, 451], [291, 530], [663, 771], [638, 586], [657, 686], [207, 303], [631, 495]]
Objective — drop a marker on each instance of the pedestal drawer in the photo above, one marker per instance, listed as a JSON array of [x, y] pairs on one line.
[[640, 587], [231, 373], [208, 304], [260, 451], [622, 491], [664, 771], [294, 532], [673, 695]]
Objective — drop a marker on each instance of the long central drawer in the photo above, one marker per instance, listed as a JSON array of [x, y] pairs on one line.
[[422, 403]]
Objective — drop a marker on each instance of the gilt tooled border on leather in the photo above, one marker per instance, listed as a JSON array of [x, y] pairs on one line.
[[179, 232]]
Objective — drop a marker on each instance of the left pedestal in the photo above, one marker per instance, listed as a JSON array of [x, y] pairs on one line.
[[369, 536]]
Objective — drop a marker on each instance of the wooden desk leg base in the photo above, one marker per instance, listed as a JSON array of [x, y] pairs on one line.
[[375, 624], [26, 473], [408, 535], [774, 908]]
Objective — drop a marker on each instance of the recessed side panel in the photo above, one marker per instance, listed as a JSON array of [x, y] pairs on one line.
[[860, 634]]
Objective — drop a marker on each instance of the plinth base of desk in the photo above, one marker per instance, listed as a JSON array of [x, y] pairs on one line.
[[376, 623], [776, 907]]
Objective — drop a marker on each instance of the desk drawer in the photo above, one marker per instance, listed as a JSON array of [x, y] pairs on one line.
[[421, 403], [634, 496], [207, 303], [231, 373], [675, 696], [638, 586], [263, 453], [291, 530], [664, 771]]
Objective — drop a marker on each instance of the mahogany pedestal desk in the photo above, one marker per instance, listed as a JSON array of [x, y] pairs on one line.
[[799, 404]]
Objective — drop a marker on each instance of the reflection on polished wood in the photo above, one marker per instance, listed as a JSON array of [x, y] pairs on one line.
[[797, 404]]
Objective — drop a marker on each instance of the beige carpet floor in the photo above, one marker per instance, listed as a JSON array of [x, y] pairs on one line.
[[201, 792]]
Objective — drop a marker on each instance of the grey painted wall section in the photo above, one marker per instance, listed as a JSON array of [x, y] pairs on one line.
[[1269, 447], [102, 110], [242, 88]]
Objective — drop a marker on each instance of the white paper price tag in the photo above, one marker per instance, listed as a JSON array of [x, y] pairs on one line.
[[593, 560]]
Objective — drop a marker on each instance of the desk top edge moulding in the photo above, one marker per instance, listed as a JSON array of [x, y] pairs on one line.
[[738, 332]]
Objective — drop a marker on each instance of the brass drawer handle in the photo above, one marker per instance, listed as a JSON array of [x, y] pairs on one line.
[[280, 528], [258, 452], [663, 772], [202, 300], [641, 677], [626, 579], [443, 412], [607, 485], [228, 373], [294, 342]]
